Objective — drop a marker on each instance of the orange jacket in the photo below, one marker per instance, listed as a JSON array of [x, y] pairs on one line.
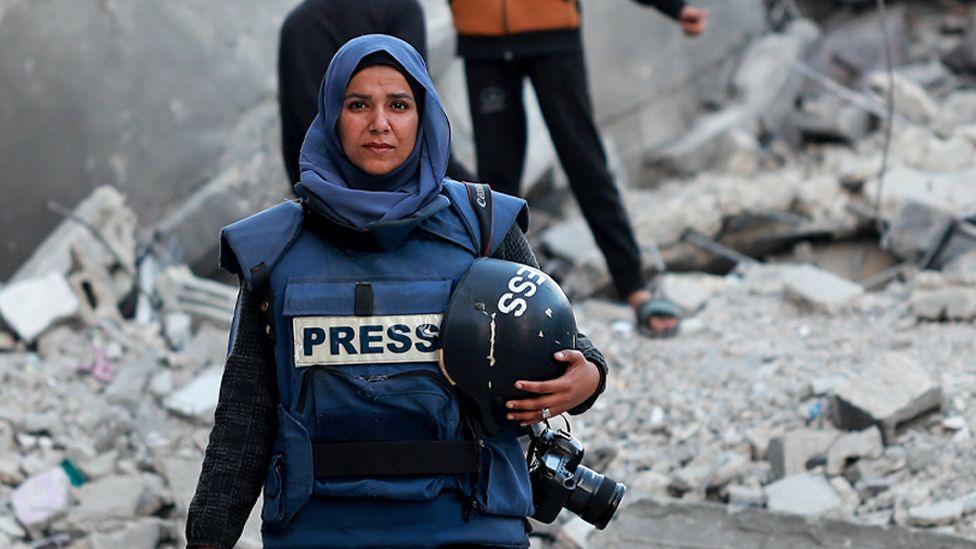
[[504, 17]]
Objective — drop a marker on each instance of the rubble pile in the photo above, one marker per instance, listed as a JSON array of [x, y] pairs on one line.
[[105, 415]]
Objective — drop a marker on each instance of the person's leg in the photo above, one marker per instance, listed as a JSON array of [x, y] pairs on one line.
[[498, 120], [561, 86]]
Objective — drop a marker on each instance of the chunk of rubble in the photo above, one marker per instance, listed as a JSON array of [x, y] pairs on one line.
[[819, 289], [119, 497], [852, 446], [805, 494], [32, 305], [691, 291], [790, 453], [936, 514], [746, 496], [41, 499], [911, 100], [198, 398], [951, 302], [887, 391]]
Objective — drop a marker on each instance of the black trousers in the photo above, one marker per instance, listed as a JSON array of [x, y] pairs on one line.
[[498, 118]]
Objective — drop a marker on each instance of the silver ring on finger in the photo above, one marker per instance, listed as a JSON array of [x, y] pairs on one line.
[[546, 414]]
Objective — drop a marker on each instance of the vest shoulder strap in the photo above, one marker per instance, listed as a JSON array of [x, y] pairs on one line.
[[251, 247], [488, 214]]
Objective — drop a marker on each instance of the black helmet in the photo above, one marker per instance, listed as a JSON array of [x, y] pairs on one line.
[[504, 322]]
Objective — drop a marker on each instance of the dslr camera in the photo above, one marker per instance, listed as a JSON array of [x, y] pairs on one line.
[[559, 480]]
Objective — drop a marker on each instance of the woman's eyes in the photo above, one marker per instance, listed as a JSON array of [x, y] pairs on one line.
[[360, 105]]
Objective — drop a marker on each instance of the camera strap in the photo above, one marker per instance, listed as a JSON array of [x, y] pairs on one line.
[[480, 196]]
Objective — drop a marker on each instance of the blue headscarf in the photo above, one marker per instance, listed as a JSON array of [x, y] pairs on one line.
[[328, 177]]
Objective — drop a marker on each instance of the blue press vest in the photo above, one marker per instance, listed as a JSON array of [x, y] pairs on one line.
[[373, 378]]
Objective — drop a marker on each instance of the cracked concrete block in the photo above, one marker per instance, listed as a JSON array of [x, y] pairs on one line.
[[820, 289], [864, 444], [805, 494], [41, 499], [887, 391], [790, 453], [30, 306]]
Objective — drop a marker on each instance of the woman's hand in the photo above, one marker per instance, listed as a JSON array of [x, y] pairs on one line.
[[693, 20], [557, 395]]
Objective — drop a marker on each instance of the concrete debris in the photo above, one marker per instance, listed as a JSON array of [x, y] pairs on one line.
[[791, 453], [32, 305], [852, 446], [938, 297], [885, 391], [691, 291], [182, 291], [820, 289], [120, 496], [41, 499], [806, 494], [197, 399], [830, 118], [937, 514], [746, 496], [911, 100]]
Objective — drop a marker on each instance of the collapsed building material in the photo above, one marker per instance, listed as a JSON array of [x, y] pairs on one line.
[[31, 305], [852, 446], [197, 399], [886, 391], [181, 290], [938, 297], [804, 494], [103, 226], [820, 289], [790, 453], [41, 499]]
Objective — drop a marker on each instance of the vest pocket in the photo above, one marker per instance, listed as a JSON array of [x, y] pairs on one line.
[[344, 406], [289, 480], [505, 489]]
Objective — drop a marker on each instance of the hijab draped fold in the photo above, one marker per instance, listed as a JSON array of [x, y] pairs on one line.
[[330, 182]]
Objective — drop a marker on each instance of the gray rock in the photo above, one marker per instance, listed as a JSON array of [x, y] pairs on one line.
[[937, 514], [691, 291], [789, 453], [828, 117], [846, 492], [127, 389], [746, 496], [119, 497], [911, 100], [819, 289], [863, 444], [887, 391], [32, 305], [805, 494], [198, 398], [41, 499], [143, 534], [176, 327], [952, 303]]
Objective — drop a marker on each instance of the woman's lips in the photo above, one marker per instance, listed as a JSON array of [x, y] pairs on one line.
[[379, 147]]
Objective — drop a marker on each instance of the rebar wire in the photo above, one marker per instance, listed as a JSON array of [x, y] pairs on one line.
[[889, 122]]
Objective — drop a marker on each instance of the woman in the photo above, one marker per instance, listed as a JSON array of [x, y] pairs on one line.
[[340, 300]]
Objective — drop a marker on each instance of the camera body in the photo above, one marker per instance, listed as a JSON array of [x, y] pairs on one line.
[[559, 480]]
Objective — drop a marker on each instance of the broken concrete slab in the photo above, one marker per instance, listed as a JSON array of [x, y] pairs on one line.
[[852, 446], [145, 533], [691, 291], [119, 497], [829, 118], [198, 398], [911, 100], [819, 289], [953, 303], [746, 496], [936, 514], [31, 305], [790, 453], [885, 391], [41, 499], [805, 494], [182, 291]]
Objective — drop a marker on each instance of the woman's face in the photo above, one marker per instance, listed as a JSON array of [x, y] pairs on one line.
[[378, 123]]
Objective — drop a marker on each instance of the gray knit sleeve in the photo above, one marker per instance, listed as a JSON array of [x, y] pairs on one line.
[[515, 247], [237, 457]]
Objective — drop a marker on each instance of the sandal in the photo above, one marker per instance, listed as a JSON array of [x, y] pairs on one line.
[[659, 307]]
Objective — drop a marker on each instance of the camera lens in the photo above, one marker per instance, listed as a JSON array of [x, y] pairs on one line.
[[596, 497]]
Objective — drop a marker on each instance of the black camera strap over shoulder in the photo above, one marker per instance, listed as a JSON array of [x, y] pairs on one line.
[[480, 196]]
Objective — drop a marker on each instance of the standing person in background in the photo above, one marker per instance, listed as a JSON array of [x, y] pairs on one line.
[[504, 41], [311, 35]]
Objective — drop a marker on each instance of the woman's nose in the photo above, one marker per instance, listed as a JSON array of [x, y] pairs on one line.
[[380, 123]]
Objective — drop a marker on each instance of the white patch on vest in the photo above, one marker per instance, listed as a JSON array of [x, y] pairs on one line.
[[337, 340]]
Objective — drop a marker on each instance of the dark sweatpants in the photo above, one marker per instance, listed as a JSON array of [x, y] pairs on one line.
[[498, 117]]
